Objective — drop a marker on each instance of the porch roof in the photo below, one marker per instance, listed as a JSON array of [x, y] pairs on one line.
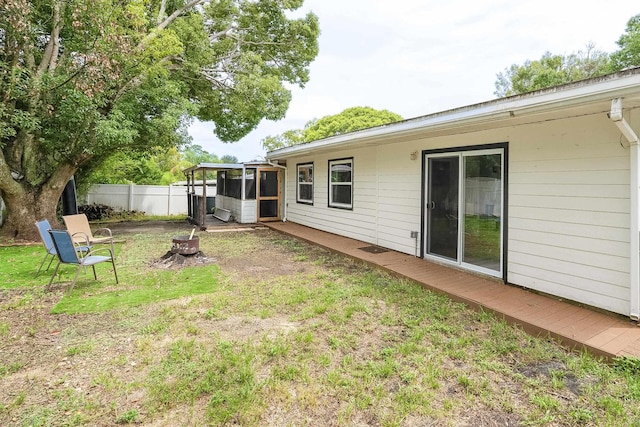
[[223, 166]]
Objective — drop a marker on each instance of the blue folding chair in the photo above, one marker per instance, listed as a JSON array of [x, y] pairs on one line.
[[68, 253], [43, 227]]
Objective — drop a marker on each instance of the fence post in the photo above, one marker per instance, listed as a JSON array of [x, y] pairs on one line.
[[169, 201], [130, 197]]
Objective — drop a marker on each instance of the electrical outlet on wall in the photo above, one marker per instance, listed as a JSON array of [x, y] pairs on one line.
[[414, 234]]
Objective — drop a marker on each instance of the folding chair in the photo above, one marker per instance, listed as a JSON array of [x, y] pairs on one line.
[[43, 227], [79, 228], [68, 253]]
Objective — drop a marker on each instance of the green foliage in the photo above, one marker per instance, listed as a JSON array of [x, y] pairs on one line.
[[629, 53], [195, 154], [628, 365], [129, 417], [82, 80], [349, 120], [122, 168], [159, 167], [551, 70]]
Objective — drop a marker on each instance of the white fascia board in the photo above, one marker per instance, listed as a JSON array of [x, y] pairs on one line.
[[546, 100]]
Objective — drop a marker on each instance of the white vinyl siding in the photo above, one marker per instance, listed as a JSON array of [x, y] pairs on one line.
[[567, 215], [386, 199], [243, 211]]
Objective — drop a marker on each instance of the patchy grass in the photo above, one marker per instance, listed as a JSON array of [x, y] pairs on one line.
[[278, 332], [153, 287]]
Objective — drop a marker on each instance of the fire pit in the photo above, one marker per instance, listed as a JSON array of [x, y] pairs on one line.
[[184, 252], [185, 245]]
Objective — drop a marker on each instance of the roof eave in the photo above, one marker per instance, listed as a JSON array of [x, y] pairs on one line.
[[487, 113]]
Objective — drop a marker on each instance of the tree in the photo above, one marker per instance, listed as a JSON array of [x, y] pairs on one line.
[[629, 53], [195, 154], [152, 168], [551, 70], [83, 79], [349, 120]]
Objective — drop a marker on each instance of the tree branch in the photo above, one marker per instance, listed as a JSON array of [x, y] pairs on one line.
[[168, 20], [50, 57], [163, 7], [225, 32]]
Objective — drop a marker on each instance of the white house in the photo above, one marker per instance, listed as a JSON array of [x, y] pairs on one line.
[[538, 190]]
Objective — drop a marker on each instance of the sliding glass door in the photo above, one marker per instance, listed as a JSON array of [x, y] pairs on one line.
[[464, 208], [443, 202]]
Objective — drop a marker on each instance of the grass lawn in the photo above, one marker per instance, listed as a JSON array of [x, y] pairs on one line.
[[271, 331]]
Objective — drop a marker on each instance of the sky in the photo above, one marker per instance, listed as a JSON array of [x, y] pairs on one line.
[[418, 57]]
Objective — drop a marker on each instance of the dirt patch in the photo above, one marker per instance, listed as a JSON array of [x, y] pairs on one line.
[[175, 260]]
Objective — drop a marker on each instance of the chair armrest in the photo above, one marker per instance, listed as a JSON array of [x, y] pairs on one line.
[[96, 251], [103, 230], [80, 235]]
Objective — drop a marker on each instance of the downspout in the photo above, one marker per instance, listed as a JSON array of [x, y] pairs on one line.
[[616, 115], [284, 195]]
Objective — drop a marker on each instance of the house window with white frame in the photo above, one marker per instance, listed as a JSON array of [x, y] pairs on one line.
[[305, 183], [341, 183]]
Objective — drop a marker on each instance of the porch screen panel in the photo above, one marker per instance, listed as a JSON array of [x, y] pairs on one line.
[[268, 183]]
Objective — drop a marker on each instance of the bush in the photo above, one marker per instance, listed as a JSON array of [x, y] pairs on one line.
[[96, 212]]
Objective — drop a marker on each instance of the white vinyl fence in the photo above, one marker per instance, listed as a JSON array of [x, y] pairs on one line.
[[151, 199]]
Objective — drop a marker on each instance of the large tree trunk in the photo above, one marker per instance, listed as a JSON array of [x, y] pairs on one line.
[[29, 205]]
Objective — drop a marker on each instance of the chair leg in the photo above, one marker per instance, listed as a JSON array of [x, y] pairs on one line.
[[94, 272], [51, 258], [41, 264], [115, 272], [52, 276], [70, 288], [50, 261]]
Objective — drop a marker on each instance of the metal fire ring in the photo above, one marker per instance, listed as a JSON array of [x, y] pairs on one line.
[[184, 245]]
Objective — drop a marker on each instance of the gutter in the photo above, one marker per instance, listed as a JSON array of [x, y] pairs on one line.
[[495, 111], [616, 115]]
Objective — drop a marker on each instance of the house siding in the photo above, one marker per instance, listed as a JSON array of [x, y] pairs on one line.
[[357, 223], [568, 205], [569, 212], [244, 211]]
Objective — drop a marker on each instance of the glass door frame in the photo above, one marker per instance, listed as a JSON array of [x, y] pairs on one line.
[[463, 152]]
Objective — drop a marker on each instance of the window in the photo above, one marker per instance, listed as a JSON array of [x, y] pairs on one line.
[[305, 183], [340, 183]]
